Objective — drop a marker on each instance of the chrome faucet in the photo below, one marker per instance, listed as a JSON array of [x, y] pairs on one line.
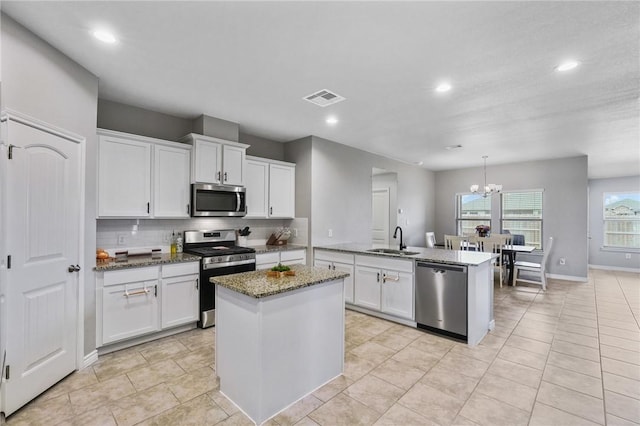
[[395, 233]]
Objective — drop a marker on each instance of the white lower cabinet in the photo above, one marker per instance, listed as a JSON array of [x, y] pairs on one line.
[[288, 257], [367, 287], [397, 294], [129, 305], [138, 301], [386, 285], [180, 293], [342, 262]]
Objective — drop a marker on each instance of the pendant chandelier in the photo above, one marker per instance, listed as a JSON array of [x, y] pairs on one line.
[[488, 189]]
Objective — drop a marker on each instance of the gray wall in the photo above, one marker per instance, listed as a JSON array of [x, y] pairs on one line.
[[341, 195], [40, 81], [599, 256], [139, 121], [565, 202], [299, 152], [262, 147]]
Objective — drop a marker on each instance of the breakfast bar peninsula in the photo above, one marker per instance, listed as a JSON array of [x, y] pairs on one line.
[[278, 338]]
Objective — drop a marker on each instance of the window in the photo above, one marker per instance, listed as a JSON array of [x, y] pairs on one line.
[[472, 210], [522, 215], [622, 219]]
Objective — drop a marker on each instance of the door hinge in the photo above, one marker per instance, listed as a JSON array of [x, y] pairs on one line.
[[7, 374], [9, 262], [10, 152]]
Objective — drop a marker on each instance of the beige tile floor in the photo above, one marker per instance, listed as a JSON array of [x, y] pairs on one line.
[[568, 356]]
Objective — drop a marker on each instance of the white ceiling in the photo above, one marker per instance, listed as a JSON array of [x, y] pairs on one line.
[[252, 62]]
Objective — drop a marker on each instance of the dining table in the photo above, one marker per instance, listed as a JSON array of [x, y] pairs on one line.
[[510, 250]]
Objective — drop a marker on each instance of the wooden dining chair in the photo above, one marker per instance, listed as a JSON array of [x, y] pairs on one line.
[[494, 244], [535, 269], [473, 242], [454, 242]]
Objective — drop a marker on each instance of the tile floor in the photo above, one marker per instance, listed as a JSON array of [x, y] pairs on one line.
[[569, 356]]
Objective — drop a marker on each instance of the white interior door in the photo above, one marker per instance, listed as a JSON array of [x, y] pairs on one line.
[[380, 216], [43, 240]]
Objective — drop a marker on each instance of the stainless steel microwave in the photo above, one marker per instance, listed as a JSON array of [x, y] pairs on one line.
[[217, 200]]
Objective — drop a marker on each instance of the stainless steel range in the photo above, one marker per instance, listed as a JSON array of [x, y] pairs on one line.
[[220, 256]]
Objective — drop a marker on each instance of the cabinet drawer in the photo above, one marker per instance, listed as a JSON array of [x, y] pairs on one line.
[[332, 256], [385, 263], [131, 275], [267, 258], [292, 255], [180, 269]]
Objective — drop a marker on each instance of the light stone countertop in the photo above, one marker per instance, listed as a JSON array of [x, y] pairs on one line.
[[269, 249], [141, 261], [453, 257], [258, 285]]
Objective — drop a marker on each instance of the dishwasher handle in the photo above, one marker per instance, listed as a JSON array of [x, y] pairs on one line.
[[441, 268]]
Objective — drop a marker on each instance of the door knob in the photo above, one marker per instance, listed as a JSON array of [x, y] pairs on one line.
[[73, 268]]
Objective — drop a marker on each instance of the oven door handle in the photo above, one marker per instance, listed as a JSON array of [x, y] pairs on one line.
[[207, 266]]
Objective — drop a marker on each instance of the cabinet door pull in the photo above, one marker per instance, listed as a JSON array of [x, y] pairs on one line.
[[145, 290], [270, 210], [148, 205], [197, 283], [219, 176], [155, 290], [225, 176], [388, 278], [378, 277], [188, 209]]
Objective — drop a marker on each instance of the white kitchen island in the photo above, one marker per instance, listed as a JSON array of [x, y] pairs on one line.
[[278, 339]]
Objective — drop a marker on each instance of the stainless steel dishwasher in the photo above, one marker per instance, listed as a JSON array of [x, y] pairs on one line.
[[441, 298]]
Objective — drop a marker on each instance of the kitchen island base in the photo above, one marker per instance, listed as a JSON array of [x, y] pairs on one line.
[[275, 350]]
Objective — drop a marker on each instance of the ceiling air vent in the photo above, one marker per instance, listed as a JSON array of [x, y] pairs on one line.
[[324, 98]]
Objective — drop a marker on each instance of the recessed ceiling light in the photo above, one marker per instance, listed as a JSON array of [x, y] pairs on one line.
[[453, 147], [104, 36], [332, 120], [443, 87], [567, 66], [419, 163]]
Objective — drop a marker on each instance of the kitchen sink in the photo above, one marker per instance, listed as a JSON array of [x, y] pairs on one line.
[[392, 251]]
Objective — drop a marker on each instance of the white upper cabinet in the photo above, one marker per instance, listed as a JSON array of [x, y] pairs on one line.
[[207, 162], [233, 163], [271, 187], [257, 184], [216, 160], [282, 190], [124, 178], [142, 177], [171, 182]]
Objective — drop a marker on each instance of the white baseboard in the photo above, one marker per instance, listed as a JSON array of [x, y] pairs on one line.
[[568, 278], [90, 358], [614, 268]]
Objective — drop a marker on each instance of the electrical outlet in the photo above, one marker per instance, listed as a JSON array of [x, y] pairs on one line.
[[563, 261], [330, 233], [122, 239], [295, 232], [627, 256]]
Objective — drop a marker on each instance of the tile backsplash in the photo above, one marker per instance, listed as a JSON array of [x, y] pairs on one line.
[[156, 233]]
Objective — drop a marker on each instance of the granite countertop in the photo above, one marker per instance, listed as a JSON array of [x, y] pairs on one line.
[[140, 261], [257, 284], [454, 257], [285, 247]]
